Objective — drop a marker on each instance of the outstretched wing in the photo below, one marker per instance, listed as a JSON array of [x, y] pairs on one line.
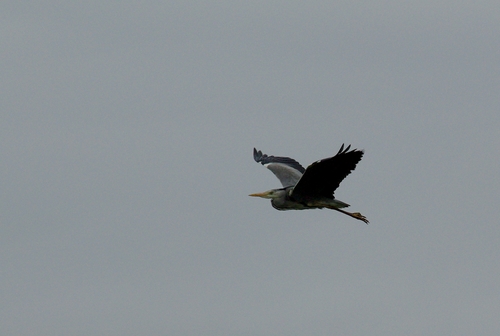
[[286, 169], [324, 176]]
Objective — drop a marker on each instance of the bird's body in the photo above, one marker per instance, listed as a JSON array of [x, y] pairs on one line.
[[283, 200], [310, 188]]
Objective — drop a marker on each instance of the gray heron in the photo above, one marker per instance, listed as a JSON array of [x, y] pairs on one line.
[[310, 188]]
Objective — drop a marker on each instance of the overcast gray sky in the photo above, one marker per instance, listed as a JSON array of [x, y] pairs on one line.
[[127, 131]]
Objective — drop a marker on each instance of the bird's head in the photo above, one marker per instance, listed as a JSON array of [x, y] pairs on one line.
[[273, 193]]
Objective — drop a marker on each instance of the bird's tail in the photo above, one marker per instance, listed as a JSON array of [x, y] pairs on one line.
[[340, 204]]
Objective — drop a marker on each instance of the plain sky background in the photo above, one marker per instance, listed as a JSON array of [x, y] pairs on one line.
[[127, 131]]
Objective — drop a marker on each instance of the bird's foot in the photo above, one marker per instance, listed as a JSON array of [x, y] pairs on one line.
[[359, 216]]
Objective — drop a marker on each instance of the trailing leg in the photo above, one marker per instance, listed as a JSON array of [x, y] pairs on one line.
[[356, 215]]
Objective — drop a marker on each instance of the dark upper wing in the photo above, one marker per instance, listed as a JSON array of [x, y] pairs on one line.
[[324, 176], [287, 170]]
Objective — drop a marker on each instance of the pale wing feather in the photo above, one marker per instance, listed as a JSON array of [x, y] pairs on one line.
[[287, 175]]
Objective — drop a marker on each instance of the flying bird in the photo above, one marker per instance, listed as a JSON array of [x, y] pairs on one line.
[[310, 188]]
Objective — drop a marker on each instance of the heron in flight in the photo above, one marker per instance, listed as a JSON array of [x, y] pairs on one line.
[[310, 188]]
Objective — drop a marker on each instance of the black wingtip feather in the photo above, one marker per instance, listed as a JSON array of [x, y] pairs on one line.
[[341, 149], [257, 155]]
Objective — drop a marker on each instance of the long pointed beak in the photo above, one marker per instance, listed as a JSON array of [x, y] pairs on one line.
[[262, 194]]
